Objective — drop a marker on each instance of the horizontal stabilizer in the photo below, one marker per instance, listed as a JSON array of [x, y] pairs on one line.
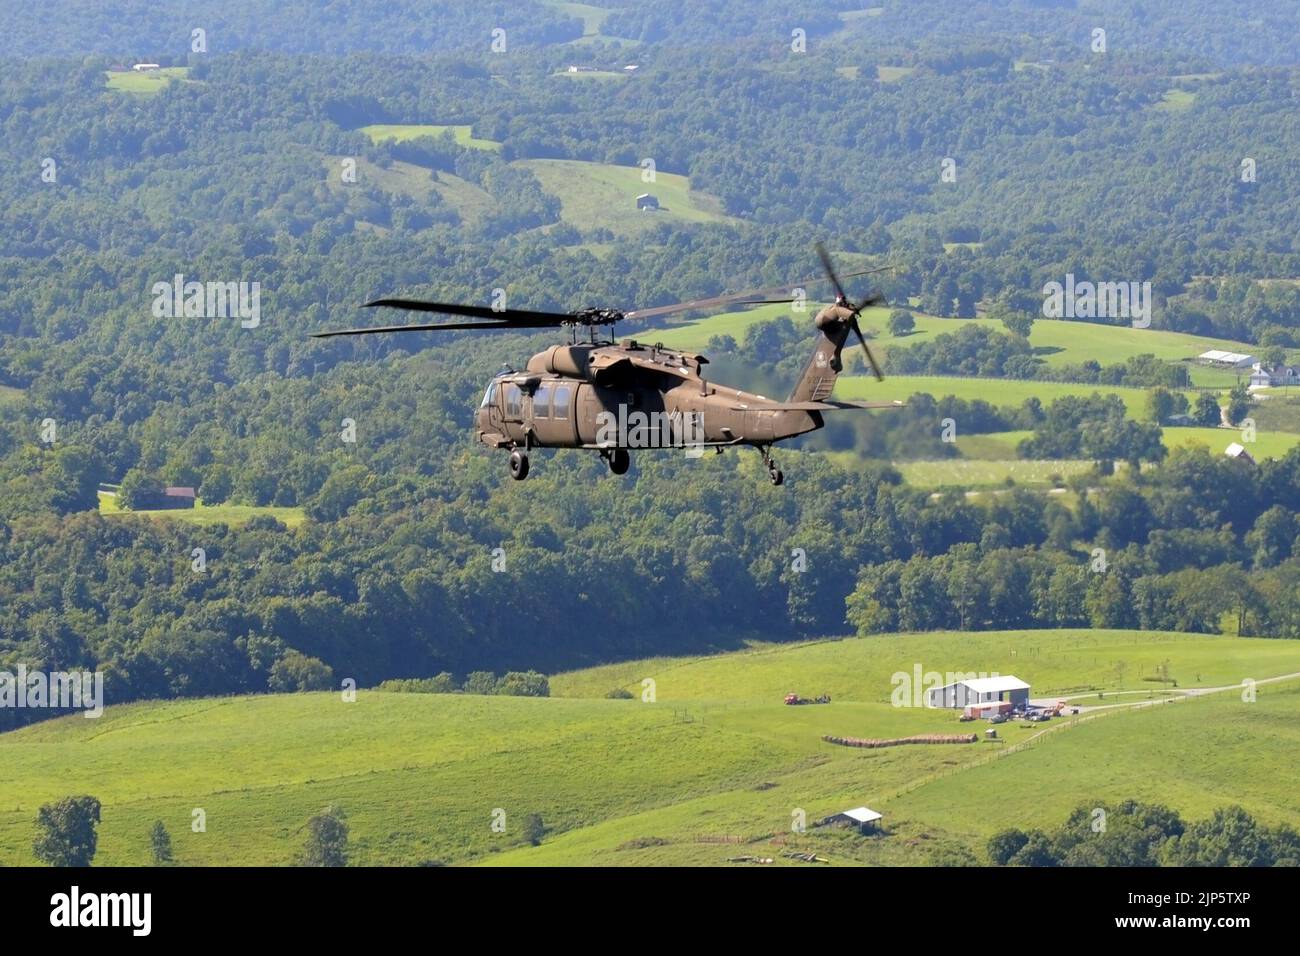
[[811, 406]]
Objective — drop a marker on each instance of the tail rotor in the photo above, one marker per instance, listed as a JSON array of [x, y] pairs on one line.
[[842, 299]]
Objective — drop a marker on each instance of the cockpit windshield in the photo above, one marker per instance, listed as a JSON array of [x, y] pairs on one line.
[[490, 396]]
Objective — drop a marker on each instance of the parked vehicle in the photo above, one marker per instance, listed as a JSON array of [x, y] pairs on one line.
[[795, 699]]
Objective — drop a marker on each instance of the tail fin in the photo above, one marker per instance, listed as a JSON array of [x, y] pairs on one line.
[[818, 378]]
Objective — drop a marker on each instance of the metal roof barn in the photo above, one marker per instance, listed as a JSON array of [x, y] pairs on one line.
[[978, 690]]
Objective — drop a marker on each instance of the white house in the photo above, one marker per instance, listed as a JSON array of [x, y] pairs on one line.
[[146, 67], [979, 690], [1263, 377]]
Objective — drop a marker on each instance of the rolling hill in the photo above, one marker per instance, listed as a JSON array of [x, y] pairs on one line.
[[716, 758], [601, 195]]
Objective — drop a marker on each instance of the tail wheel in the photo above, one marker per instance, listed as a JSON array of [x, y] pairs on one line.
[[774, 473], [518, 465], [619, 461]]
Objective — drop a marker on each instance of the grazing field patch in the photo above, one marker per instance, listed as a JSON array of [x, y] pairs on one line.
[[401, 132]]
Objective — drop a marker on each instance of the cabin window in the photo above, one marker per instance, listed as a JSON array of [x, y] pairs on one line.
[[561, 403], [513, 402], [490, 396], [542, 402]]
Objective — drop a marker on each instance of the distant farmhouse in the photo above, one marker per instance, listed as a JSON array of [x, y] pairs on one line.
[[574, 68], [1238, 452], [647, 203], [980, 690], [1264, 377], [1221, 359], [146, 67]]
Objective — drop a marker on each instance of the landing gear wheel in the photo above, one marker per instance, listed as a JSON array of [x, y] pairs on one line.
[[518, 465], [619, 461], [773, 473]]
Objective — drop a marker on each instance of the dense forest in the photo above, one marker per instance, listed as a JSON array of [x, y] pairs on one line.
[[1066, 160]]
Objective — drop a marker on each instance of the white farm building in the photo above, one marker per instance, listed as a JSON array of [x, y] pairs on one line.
[[1226, 359], [979, 690]]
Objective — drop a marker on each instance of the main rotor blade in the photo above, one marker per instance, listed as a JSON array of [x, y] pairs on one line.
[[752, 297], [428, 327], [521, 317], [739, 298]]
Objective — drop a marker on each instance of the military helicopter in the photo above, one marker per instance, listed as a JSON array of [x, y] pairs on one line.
[[612, 397]]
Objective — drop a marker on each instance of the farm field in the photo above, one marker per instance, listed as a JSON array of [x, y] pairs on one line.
[[716, 756], [1267, 444], [985, 473], [1057, 342], [405, 179], [591, 75], [146, 83], [599, 195], [400, 132], [469, 200], [996, 391], [989, 460], [204, 515]]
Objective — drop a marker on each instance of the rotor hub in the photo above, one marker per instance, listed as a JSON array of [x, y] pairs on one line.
[[591, 317]]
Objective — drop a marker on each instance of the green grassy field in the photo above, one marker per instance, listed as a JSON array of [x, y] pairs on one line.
[[1001, 446], [10, 394], [401, 132], [892, 74], [716, 756], [987, 473], [146, 83], [989, 460], [470, 201], [591, 75], [403, 179], [997, 392], [1267, 444], [694, 336], [1176, 101], [594, 195], [1056, 341], [204, 515]]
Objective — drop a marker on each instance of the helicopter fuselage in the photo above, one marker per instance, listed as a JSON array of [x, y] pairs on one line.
[[628, 396]]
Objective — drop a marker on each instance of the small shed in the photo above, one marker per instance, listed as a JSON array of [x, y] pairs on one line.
[[647, 201], [864, 818], [178, 497]]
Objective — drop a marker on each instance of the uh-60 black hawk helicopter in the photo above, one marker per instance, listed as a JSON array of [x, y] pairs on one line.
[[611, 397]]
